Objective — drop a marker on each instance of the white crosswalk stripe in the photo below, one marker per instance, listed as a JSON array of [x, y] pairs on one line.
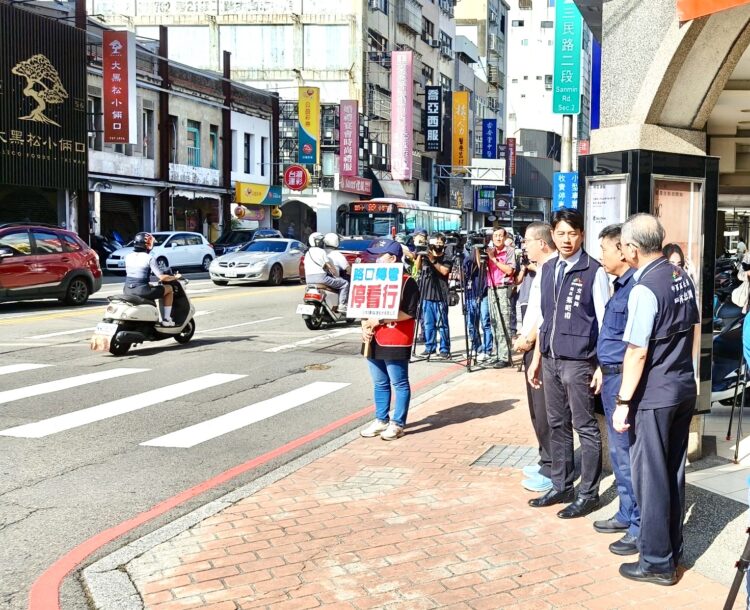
[[218, 426], [64, 384], [106, 410], [20, 368]]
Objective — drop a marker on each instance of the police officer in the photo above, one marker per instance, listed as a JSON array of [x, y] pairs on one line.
[[610, 351], [574, 293], [657, 396]]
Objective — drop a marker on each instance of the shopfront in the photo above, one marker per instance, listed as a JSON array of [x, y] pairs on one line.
[[197, 211]]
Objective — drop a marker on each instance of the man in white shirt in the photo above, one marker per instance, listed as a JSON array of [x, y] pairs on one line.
[[320, 270]]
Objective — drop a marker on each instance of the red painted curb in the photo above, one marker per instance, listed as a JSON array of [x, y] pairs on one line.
[[45, 592]]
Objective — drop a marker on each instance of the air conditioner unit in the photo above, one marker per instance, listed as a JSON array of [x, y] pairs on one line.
[[435, 44], [446, 50], [375, 4]]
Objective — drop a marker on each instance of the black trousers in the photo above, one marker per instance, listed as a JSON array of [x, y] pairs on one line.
[[658, 453], [538, 412], [570, 405]]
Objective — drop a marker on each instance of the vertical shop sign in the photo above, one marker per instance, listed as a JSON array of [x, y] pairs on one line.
[[349, 138], [460, 129], [434, 119], [489, 138], [118, 62], [308, 131], [402, 100], [510, 158], [566, 82]]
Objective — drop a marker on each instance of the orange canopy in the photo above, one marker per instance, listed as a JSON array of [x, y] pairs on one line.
[[691, 9]]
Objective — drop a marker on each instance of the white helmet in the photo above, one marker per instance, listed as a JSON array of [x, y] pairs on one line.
[[315, 240], [331, 240]]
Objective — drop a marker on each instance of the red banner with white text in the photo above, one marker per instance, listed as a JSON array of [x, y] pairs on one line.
[[119, 94]]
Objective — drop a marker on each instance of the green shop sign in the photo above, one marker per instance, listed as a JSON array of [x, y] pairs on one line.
[[566, 85]]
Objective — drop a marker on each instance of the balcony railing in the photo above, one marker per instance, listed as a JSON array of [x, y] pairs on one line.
[[194, 156]]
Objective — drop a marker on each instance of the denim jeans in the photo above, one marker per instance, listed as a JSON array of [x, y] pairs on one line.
[[385, 373], [435, 314], [480, 326]]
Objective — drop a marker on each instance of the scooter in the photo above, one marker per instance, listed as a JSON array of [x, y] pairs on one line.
[[130, 320], [317, 307]]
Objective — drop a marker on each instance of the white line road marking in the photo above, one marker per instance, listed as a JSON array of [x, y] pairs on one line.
[[202, 313], [322, 337], [106, 410], [64, 384], [210, 330], [19, 368], [63, 332], [218, 426]]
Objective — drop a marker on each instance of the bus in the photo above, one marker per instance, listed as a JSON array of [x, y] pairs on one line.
[[378, 217]]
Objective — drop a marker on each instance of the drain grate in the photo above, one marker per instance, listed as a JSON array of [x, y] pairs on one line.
[[508, 456]]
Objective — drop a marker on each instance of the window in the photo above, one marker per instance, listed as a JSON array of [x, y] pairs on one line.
[[47, 243], [525, 78], [70, 244], [517, 23], [445, 40], [323, 45], [429, 74], [379, 5], [194, 143], [172, 138], [213, 142], [94, 120], [147, 129], [502, 24], [548, 82], [525, 42], [446, 83], [514, 81], [548, 24], [263, 153], [193, 240], [525, 5], [428, 30], [539, 78], [376, 42], [18, 241], [249, 152]]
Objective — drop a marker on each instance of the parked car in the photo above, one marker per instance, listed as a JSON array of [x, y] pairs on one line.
[[353, 248], [234, 239], [263, 260], [44, 261], [176, 249]]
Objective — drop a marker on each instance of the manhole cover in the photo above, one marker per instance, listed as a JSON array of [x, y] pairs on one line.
[[508, 456], [317, 367]]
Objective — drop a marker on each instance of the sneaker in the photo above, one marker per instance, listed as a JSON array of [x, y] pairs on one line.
[[539, 483], [444, 355], [392, 432], [373, 428], [425, 353], [167, 323], [531, 470], [483, 357]]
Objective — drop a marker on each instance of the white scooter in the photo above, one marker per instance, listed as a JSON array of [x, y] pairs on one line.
[[317, 307], [129, 320]]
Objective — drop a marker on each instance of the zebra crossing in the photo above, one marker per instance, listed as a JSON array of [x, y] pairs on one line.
[[184, 438]]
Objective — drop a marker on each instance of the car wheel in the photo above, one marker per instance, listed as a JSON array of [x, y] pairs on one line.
[[220, 282], [162, 263], [187, 333], [118, 349], [206, 262], [77, 292], [276, 275]]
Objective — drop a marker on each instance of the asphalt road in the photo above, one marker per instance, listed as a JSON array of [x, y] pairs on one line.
[[67, 479]]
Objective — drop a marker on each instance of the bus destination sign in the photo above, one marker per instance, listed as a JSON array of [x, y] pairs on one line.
[[373, 208]]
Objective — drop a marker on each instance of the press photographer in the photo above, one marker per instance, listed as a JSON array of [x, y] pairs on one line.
[[501, 267], [477, 305], [433, 268]]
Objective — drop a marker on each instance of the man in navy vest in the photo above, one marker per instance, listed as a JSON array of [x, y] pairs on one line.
[[610, 351], [657, 396], [574, 291]]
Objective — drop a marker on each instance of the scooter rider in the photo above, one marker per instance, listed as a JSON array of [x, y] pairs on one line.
[[139, 265], [320, 270], [331, 242]]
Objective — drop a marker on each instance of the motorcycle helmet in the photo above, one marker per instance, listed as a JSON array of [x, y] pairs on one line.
[[143, 242], [331, 240], [316, 240]]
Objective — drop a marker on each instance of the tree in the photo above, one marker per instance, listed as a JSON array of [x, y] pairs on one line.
[[39, 72]]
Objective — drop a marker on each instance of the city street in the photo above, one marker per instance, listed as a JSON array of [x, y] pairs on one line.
[[65, 479]]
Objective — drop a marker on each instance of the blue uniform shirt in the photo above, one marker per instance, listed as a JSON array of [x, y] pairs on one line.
[[610, 348]]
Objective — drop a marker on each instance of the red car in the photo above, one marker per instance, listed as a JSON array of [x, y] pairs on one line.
[[353, 248], [44, 261]]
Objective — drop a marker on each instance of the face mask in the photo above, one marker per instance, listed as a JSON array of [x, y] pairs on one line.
[[387, 258]]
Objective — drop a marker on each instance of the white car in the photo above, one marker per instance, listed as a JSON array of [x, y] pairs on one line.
[[263, 260], [176, 249]]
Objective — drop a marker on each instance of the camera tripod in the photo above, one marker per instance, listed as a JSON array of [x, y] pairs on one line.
[[743, 563], [441, 326]]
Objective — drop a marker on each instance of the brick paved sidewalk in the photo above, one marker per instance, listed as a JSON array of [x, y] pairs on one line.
[[409, 524]]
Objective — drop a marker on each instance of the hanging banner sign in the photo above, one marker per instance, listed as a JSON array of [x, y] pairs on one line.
[[433, 133], [308, 131], [355, 184], [566, 82], [349, 138], [257, 194], [460, 129], [510, 154], [402, 111], [119, 94], [692, 9], [489, 138]]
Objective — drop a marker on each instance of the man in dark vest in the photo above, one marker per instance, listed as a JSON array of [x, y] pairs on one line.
[[574, 291], [657, 396]]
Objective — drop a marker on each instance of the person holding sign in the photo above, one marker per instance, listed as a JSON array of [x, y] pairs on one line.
[[387, 345]]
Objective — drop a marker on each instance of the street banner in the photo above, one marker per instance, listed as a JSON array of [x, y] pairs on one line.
[[349, 138], [355, 184], [460, 129], [402, 114], [489, 138], [119, 94], [564, 190], [510, 158], [566, 81], [692, 9], [375, 290], [309, 125], [434, 119]]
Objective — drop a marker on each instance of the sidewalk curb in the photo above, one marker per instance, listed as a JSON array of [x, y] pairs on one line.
[[107, 581]]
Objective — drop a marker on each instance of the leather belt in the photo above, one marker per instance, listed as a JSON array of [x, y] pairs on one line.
[[611, 369]]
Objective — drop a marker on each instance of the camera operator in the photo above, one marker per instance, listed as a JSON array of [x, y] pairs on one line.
[[501, 266], [433, 268], [477, 305]]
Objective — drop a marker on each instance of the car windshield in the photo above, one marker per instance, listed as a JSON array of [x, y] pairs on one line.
[[355, 245], [236, 237], [265, 246]]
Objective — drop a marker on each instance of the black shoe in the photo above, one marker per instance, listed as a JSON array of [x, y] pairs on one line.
[[444, 355], [610, 526], [580, 508], [552, 497], [425, 354], [627, 545], [501, 364], [633, 571]]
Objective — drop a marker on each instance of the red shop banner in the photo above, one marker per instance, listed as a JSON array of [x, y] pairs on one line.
[[119, 95]]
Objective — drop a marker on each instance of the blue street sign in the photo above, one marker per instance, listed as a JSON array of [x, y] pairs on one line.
[[564, 190], [489, 138], [484, 199]]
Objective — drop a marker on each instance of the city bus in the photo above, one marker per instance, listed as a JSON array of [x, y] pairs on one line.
[[378, 217]]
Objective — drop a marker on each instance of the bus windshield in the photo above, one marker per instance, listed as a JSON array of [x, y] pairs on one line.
[[370, 224]]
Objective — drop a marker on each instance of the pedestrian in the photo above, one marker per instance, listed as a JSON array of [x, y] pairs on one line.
[[574, 293], [390, 350], [610, 351], [741, 248], [433, 269], [477, 307], [501, 267], [539, 248], [657, 396], [291, 231]]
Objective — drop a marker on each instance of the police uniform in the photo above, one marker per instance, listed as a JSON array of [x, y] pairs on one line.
[[610, 350], [567, 341], [662, 314]]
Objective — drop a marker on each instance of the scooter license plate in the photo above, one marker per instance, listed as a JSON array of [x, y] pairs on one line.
[[306, 310], [105, 329]]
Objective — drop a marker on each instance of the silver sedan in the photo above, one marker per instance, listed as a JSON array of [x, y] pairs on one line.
[[263, 260]]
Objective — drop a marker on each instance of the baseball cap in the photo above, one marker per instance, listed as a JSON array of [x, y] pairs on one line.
[[386, 246]]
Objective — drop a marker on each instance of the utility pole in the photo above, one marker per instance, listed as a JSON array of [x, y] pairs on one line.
[[566, 154]]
